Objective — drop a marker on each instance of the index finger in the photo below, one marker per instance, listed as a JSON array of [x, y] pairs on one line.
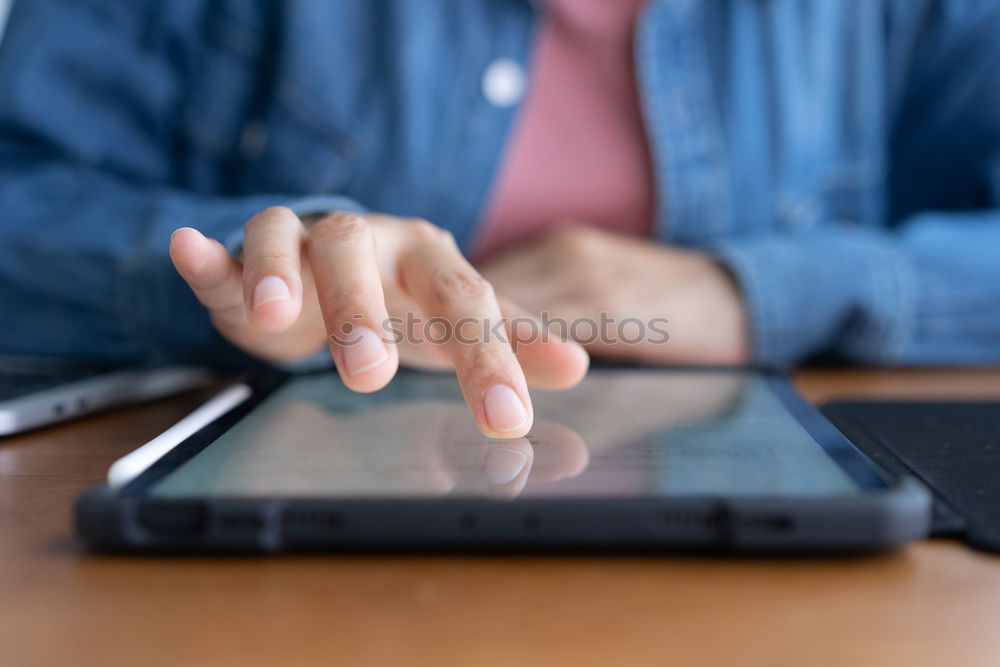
[[434, 272]]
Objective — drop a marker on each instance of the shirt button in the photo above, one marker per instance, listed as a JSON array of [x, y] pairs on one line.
[[503, 83]]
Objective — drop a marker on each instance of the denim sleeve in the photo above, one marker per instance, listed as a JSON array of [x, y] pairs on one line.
[[87, 204], [929, 294], [84, 267], [926, 288]]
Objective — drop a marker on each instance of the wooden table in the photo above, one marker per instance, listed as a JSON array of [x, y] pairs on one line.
[[936, 603]]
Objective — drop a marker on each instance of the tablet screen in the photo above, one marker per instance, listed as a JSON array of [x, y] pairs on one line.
[[620, 433]]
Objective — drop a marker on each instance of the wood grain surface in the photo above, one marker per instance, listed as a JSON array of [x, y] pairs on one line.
[[936, 603]]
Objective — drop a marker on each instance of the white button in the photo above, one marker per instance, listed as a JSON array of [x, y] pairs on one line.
[[503, 83]]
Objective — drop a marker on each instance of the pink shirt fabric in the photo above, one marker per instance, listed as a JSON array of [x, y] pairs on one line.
[[578, 151]]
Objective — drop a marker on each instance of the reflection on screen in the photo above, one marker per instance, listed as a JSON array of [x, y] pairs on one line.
[[620, 433]]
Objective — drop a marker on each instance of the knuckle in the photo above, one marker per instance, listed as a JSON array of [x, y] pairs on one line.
[[460, 284], [487, 359], [270, 263], [341, 228], [574, 240], [348, 293], [428, 232]]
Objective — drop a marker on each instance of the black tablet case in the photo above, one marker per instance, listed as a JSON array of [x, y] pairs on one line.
[[953, 447]]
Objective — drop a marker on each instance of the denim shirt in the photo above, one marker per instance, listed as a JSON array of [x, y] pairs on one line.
[[841, 157]]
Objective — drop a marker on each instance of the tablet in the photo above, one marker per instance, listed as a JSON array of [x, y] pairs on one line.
[[629, 459]]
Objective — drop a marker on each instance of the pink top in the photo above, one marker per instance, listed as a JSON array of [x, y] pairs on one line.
[[578, 151]]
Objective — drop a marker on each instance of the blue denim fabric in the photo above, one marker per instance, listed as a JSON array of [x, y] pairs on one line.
[[842, 157]]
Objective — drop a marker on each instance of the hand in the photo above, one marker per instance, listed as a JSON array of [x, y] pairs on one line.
[[577, 273], [339, 281]]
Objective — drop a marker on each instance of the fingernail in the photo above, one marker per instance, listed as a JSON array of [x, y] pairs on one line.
[[363, 350], [271, 288], [504, 464], [504, 410]]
